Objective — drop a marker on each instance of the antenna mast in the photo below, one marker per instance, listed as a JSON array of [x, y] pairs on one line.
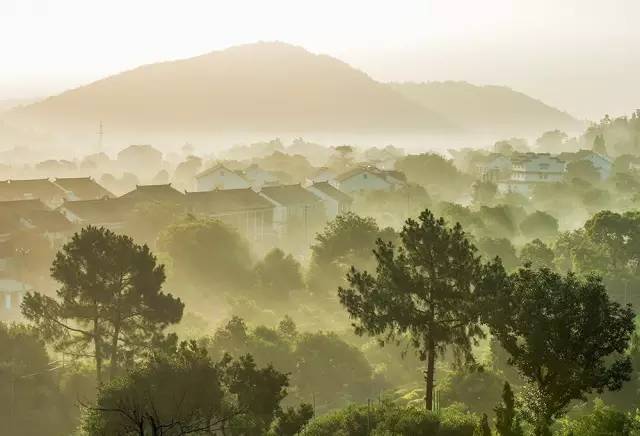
[[100, 136]]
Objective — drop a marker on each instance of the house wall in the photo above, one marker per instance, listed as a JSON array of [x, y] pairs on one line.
[[221, 179], [507, 186], [539, 169], [255, 225]]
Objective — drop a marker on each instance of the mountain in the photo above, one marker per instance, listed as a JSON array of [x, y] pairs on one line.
[[255, 87], [6, 105], [488, 108]]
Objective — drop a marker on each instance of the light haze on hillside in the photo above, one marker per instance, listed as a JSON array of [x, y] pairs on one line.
[[574, 55]]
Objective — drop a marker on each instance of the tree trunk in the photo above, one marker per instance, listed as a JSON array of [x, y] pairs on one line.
[[113, 368], [429, 373], [98, 350]]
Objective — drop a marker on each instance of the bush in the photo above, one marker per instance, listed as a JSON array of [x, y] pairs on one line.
[[602, 421], [391, 419]]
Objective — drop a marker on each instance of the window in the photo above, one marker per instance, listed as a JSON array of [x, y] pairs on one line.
[[7, 301]]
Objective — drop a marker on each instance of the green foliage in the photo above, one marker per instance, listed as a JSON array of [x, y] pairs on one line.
[[331, 371], [484, 192], [277, 276], [391, 208], [323, 367], [435, 173], [423, 288], [347, 240], [619, 235], [187, 393], [477, 388], [499, 247], [147, 221], [507, 420], [290, 422], [390, 419], [602, 421], [551, 141], [501, 221], [110, 302], [583, 169], [32, 401], [539, 225], [563, 334], [483, 428], [538, 254], [599, 145], [208, 255]]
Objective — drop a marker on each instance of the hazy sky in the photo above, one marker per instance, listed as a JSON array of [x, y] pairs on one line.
[[579, 55]]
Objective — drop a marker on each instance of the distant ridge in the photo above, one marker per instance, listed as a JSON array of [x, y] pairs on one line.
[[281, 88], [254, 87], [488, 108]]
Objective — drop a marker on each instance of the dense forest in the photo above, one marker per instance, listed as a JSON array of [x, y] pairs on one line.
[[445, 304]]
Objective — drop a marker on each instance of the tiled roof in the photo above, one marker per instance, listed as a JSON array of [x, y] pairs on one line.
[[155, 193], [42, 189], [105, 211], [49, 221], [32, 213], [226, 200], [333, 192], [21, 206], [83, 188], [217, 167], [384, 174], [289, 195]]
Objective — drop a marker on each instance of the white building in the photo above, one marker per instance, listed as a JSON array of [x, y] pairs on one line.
[[364, 179], [602, 163], [335, 201], [220, 177], [495, 167], [531, 169], [293, 205]]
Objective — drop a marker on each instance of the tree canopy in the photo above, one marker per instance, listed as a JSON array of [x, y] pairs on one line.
[[110, 303], [423, 288]]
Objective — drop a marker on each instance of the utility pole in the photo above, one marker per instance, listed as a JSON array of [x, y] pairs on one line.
[[306, 226], [100, 136]]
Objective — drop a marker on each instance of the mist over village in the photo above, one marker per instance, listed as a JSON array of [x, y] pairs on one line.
[[319, 218]]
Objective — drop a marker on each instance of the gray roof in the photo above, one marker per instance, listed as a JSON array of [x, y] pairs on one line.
[[333, 192], [289, 195], [226, 200]]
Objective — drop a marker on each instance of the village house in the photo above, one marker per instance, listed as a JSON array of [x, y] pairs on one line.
[[603, 164], [220, 177], [35, 216], [82, 188], [110, 213], [495, 167], [531, 169], [243, 209], [33, 189], [323, 174], [164, 193], [293, 204], [369, 178], [335, 201]]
